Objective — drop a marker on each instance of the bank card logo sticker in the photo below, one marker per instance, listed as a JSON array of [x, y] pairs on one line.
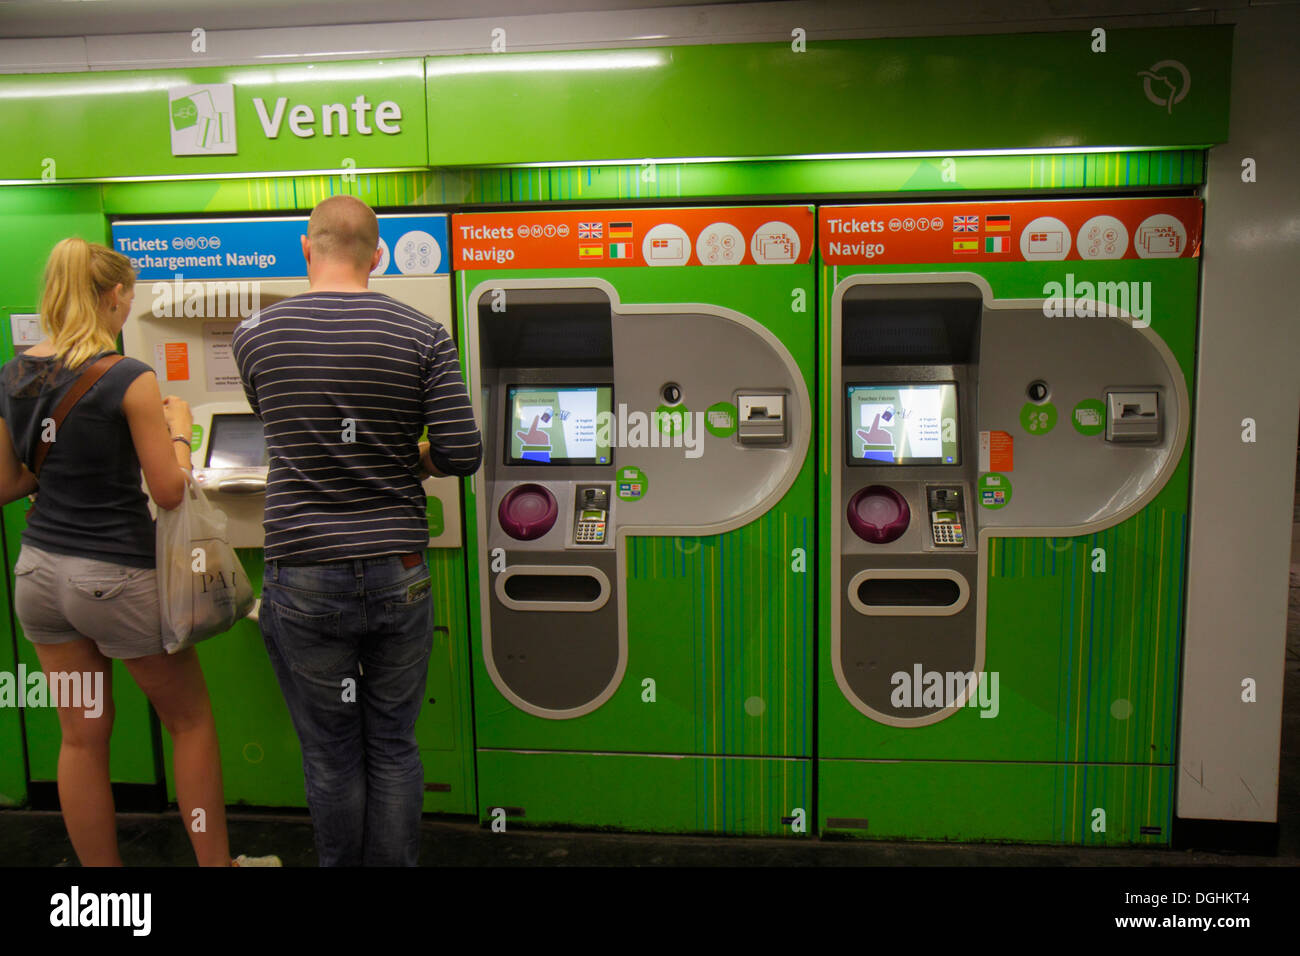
[[994, 491], [1160, 237], [721, 419], [666, 245], [720, 244], [1045, 238], [632, 483], [1089, 417], [1102, 237], [202, 120], [1166, 83], [775, 242], [384, 258], [417, 254]]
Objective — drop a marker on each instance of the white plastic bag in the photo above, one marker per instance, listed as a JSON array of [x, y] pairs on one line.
[[202, 587]]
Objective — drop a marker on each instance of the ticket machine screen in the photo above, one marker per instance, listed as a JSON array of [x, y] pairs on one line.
[[903, 424], [237, 441], [558, 424]]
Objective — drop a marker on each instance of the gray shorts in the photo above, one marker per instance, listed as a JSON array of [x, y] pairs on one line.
[[60, 598]]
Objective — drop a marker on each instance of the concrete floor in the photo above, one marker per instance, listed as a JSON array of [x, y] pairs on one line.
[[37, 838]]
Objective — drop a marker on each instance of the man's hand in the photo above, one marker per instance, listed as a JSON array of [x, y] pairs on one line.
[[427, 467]]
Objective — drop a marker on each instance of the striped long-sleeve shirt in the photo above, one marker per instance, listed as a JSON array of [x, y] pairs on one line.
[[343, 383]]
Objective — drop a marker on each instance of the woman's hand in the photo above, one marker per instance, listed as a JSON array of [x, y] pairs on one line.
[[179, 419]]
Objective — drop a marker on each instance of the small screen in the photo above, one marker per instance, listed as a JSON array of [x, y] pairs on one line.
[[236, 441], [558, 424], [905, 424]]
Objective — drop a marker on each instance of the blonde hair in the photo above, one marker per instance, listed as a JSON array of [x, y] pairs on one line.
[[76, 275]]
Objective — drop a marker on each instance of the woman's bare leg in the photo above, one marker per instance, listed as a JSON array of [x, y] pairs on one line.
[[85, 794], [174, 685]]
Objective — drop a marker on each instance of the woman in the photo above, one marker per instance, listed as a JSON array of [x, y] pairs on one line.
[[86, 591]]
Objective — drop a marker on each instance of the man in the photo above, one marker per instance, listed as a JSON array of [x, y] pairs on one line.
[[344, 379]]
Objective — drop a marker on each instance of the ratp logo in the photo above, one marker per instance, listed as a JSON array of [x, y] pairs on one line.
[[203, 120], [1166, 83]]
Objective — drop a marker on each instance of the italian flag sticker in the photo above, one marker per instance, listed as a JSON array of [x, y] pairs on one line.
[[995, 243], [620, 250]]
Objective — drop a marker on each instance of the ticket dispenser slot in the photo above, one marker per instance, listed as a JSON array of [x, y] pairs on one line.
[[1133, 416], [906, 457], [545, 372]]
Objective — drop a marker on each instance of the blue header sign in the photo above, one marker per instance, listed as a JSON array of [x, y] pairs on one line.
[[412, 245]]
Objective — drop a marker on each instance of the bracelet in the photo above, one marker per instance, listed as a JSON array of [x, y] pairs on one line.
[[179, 438]]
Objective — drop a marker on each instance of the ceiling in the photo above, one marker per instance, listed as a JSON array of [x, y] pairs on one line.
[[57, 18]]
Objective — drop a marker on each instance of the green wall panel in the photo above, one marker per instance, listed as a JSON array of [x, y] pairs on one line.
[[974, 802], [736, 795], [1039, 90]]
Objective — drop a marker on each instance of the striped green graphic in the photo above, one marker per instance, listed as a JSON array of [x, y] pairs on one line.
[[668, 181]]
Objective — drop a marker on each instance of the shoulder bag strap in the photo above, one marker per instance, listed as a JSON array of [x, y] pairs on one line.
[[88, 378]]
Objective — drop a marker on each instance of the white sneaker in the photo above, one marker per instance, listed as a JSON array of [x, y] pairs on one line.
[[243, 860]]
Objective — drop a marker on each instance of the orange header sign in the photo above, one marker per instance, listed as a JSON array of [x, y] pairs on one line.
[[604, 238], [1027, 231]]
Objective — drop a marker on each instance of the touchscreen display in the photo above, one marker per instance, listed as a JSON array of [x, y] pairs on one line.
[[236, 442], [557, 424], [904, 424]]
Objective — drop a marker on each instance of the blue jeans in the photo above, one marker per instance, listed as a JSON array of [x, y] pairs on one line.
[[350, 644]]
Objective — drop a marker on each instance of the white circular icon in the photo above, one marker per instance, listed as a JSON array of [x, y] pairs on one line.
[[550, 230], [189, 242], [666, 245], [720, 244], [417, 254], [1161, 236], [1045, 238], [383, 259], [936, 223], [775, 242], [203, 242], [1102, 237], [563, 230], [895, 224], [923, 224], [214, 242], [909, 224]]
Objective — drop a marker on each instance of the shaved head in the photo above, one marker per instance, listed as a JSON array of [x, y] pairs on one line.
[[343, 229]]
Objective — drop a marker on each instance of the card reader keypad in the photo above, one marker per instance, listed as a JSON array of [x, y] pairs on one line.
[[946, 512], [591, 507]]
